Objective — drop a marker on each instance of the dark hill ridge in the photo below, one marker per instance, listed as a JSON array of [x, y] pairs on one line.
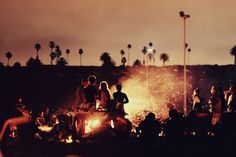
[[55, 85]]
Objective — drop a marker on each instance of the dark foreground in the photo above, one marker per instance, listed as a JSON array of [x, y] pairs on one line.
[[186, 146]]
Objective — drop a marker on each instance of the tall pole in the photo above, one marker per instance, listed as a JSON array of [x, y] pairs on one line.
[[185, 75], [184, 16]]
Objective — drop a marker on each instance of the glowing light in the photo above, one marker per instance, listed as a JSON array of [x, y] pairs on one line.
[[69, 139], [112, 124], [91, 125], [45, 128], [158, 92]]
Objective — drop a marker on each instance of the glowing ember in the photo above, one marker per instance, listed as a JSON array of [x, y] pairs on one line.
[[112, 124], [69, 139], [91, 125], [45, 128], [151, 90]]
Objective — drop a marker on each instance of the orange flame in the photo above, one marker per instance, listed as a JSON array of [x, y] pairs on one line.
[[151, 90]]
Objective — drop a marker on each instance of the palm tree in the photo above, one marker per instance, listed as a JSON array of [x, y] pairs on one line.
[[123, 61], [61, 61], [164, 57], [149, 57], [81, 51], [67, 54], [52, 55], [144, 52], [122, 52], [58, 52], [154, 51], [129, 47], [8, 56], [108, 62], [37, 46], [137, 63], [233, 53], [150, 44], [51, 45], [189, 50]]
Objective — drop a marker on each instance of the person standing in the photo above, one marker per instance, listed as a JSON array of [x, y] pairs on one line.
[[120, 99], [232, 99], [103, 95], [79, 95], [197, 100], [91, 94], [215, 104]]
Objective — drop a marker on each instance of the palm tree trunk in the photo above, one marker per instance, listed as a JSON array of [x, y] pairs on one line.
[[163, 63], [37, 55], [67, 58], [234, 59], [8, 62], [80, 59], [128, 57]]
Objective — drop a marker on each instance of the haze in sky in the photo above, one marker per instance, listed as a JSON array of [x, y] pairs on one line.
[[99, 26]]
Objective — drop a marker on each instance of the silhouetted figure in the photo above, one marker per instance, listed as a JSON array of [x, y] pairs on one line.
[[122, 127], [232, 99], [215, 103], [91, 94], [149, 129], [222, 100], [103, 95], [120, 99], [197, 100], [80, 96], [174, 126]]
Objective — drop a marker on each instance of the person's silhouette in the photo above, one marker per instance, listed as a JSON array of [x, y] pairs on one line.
[[120, 99]]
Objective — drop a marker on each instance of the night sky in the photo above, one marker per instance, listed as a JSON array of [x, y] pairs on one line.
[[99, 26]]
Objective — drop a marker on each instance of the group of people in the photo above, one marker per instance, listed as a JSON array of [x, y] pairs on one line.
[[88, 98], [219, 101]]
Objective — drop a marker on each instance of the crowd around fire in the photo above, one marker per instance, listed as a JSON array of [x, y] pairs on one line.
[[95, 113]]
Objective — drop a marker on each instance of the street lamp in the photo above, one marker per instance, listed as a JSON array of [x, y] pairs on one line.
[[184, 16]]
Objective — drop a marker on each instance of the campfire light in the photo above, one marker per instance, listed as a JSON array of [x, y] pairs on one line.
[[45, 128], [112, 124], [91, 125]]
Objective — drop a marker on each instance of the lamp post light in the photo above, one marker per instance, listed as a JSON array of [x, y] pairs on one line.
[[185, 16]]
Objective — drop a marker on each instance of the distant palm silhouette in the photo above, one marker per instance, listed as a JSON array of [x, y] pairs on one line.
[[123, 61], [107, 61], [8, 56], [150, 57], [58, 52], [53, 55], [233, 53], [150, 44], [37, 47], [144, 52], [164, 57], [81, 51], [51, 45], [67, 55], [189, 50], [137, 63], [122, 52], [129, 46], [61, 61], [154, 51]]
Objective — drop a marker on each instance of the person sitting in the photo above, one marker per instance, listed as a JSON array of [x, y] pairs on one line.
[[149, 129], [120, 99]]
